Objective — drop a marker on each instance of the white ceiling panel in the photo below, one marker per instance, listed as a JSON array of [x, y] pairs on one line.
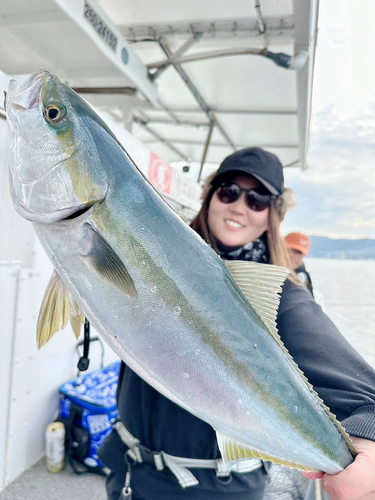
[[261, 130], [249, 82]]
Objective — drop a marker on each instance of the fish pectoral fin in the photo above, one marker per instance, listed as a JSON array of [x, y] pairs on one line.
[[58, 306], [233, 452], [261, 284], [108, 264]]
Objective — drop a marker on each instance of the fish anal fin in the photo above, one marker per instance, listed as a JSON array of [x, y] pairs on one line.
[[58, 306], [104, 260], [233, 452]]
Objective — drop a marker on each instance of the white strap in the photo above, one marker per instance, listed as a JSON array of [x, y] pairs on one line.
[[130, 441], [246, 465], [183, 475], [179, 465]]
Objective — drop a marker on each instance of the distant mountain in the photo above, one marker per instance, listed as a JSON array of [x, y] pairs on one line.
[[341, 249]]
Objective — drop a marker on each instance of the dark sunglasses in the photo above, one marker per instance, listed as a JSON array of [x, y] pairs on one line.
[[229, 193]]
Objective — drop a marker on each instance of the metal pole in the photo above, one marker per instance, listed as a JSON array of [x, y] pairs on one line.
[[208, 140], [105, 90], [206, 55], [186, 46], [197, 96]]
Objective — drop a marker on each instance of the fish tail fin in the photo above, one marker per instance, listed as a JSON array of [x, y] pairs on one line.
[[58, 306]]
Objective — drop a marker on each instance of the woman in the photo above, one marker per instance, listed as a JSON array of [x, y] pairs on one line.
[[243, 206]]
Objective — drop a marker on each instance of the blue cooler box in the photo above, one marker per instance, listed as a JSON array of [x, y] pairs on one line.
[[95, 395]]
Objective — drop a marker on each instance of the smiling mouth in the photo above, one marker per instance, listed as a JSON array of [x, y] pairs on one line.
[[234, 224]]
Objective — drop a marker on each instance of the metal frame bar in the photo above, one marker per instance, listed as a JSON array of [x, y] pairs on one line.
[[232, 112], [148, 121], [222, 145], [239, 28], [196, 95], [207, 55], [262, 27], [106, 90], [206, 146], [284, 60], [185, 47]]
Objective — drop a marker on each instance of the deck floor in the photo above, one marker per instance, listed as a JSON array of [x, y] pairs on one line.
[[37, 484]]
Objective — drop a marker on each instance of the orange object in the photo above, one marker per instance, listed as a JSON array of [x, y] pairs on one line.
[[298, 241]]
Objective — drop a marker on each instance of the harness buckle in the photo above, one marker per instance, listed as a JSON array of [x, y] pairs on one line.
[[221, 468], [158, 460]]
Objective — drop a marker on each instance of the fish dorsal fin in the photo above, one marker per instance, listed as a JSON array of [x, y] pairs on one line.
[[261, 285], [106, 262], [233, 452], [57, 308]]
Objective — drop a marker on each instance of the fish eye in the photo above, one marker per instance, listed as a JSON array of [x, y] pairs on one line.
[[54, 113]]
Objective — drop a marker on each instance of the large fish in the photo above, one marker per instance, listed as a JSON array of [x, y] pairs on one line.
[[200, 333]]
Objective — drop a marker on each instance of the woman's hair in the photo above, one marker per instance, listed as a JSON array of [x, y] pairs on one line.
[[279, 254]]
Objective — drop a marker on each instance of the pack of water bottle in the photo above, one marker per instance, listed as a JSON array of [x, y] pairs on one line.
[[88, 410]]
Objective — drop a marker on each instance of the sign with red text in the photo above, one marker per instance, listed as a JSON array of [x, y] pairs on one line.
[[160, 174]]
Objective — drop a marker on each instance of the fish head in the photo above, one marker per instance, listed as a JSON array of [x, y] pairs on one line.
[[55, 165]]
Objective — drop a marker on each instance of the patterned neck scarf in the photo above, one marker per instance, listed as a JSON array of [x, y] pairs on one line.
[[255, 251]]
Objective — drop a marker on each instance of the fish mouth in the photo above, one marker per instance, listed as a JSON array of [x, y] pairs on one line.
[[25, 96], [79, 212]]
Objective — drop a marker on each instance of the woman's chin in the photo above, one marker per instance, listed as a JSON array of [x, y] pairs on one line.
[[231, 241]]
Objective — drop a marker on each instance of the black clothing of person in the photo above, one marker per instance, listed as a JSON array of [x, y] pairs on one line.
[[305, 278], [339, 374]]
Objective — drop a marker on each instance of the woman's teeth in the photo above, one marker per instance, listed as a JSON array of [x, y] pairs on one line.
[[233, 223]]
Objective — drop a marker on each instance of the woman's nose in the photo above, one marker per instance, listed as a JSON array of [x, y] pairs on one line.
[[239, 206]]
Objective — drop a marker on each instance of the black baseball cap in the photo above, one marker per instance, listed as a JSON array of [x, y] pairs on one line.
[[264, 166]]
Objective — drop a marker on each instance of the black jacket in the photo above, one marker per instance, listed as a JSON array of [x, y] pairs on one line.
[[339, 374]]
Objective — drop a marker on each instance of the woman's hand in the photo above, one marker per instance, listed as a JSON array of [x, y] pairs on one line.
[[356, 482]]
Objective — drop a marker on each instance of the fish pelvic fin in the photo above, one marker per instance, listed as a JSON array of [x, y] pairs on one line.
[[104, 260], [261, 284], [76, 321], [57, 308], [233, 452]]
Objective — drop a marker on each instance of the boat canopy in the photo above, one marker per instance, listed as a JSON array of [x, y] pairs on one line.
[[193, 79]]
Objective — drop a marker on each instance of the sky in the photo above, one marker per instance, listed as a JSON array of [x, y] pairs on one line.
[[336, 194]]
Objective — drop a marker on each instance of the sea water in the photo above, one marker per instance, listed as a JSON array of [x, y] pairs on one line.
[[346, 291]]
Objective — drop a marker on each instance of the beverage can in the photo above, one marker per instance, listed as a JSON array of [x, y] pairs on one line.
[[55, 446]]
